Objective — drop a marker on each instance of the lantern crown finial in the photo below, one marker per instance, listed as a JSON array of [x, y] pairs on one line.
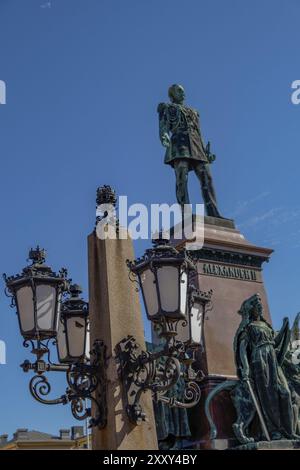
[[75, 290], [37, 255], [160, 238], [106, 195], [160, 241]]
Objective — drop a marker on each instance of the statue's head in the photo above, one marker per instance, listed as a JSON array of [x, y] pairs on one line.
[[176, 94], [252, 308]]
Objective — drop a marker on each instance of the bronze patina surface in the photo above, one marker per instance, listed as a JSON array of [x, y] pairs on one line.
[[179, 131]]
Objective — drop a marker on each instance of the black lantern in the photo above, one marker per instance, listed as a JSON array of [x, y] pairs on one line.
[[72, 331], [36, 293], [190, 332], [163, 274]]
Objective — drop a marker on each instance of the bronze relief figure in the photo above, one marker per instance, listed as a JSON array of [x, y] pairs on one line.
[[266, 391]]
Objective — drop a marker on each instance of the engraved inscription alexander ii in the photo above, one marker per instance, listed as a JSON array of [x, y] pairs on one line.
[[229, 272]]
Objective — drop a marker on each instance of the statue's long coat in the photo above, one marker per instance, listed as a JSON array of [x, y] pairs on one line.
[[183, 125]]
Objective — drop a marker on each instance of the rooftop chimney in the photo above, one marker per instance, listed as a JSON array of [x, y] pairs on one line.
[[3, 439], [64, 433], [21, 433], [76, 432]]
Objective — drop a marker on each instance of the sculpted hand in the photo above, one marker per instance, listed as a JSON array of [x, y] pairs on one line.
[[165, 140], [245, 376]]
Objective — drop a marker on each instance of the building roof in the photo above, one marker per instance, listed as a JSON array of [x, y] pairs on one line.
[[29, 438]]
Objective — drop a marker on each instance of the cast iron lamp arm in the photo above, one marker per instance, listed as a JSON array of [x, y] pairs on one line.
[[157, 371], [86, 381]]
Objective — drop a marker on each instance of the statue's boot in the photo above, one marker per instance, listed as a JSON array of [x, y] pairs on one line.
[[238, 430]]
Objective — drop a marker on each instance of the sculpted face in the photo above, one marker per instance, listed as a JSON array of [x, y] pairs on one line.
[[177, 94], [257, 308], [252, 307]]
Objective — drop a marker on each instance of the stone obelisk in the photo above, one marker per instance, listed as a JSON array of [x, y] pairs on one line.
[[114, 314]]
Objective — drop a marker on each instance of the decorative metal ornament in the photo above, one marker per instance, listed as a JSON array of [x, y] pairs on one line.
[[86, 380], [159, 372], [106, 202], [106, 195]]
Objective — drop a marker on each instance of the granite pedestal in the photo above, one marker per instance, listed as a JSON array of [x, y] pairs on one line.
[[232, 267]]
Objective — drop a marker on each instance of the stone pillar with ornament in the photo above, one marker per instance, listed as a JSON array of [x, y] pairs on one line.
[[115, 313]]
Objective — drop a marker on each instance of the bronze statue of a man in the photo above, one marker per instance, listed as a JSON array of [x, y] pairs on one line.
[[179, 132]]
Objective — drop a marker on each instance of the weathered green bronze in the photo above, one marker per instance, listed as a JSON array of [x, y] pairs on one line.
[[268, 379], [179, 132]]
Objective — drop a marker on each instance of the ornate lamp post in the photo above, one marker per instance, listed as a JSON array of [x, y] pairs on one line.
[[46, 314], [163, 275]]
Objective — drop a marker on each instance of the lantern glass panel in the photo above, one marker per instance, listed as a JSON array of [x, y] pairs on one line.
[[196, 318], [148, 285], [76, 331], [88, 345], [46, 307], [183, 292], [25, 308], [168, 282], [61, 342]]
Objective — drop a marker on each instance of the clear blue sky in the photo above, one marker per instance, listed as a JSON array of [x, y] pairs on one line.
[[84, 78]]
